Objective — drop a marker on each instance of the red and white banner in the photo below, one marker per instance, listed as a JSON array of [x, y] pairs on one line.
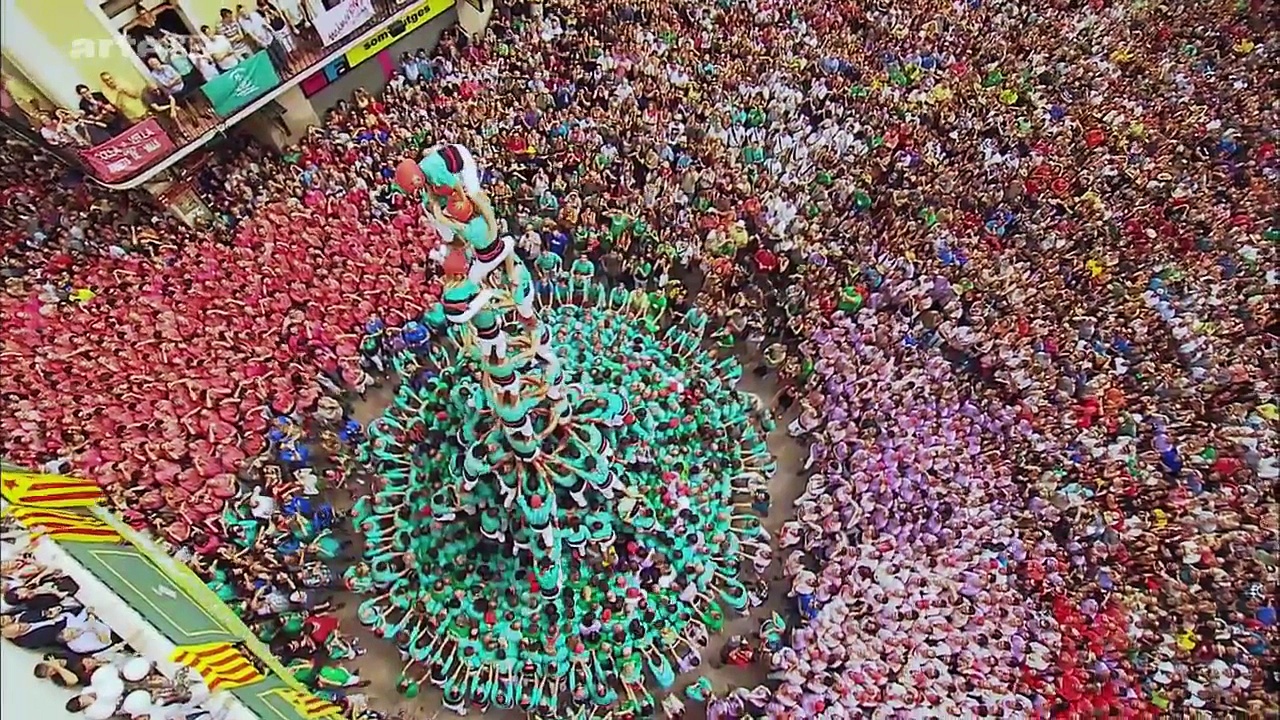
[[129, 152], [343, 19]]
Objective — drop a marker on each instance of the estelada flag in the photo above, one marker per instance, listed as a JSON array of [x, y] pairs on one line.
[[309, 705], [48, 491], [220, 664], [65, 525]]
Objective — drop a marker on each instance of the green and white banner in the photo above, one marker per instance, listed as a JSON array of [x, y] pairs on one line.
[[242, 84]]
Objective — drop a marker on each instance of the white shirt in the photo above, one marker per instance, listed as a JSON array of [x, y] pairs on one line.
[[256, 27], [220, 46], [208, 69], [93, 635], [262, 506]]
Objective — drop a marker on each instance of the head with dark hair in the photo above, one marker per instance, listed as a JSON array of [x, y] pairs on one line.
[[80, 702]]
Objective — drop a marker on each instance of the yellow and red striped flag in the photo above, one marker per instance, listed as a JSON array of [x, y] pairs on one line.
[[66, 525], [309, 705], [220, 664], [50, 491]]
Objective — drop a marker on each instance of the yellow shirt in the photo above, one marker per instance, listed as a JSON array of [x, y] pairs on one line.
[[130, 102], [1161, 518], [1187, 640]]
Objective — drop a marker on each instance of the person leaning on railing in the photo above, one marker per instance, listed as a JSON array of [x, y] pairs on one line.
[[97, 109], [162, 105]]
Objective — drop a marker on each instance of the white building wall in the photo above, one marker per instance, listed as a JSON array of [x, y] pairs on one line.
[[472, 19], [23, 695], [44, 64]]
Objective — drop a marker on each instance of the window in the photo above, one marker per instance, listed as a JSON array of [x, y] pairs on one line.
[[143, 24]]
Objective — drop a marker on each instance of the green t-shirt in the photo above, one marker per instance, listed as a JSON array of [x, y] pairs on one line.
[[293, 623], [304, 673], [335, 675], [617, 225], [224, 591]]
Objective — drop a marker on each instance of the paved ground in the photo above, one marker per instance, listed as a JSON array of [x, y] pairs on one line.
[[382, 665]]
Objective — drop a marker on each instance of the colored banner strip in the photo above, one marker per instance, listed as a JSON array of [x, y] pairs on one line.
[[64, 525], [309, 705], [48, 491], [221, 665]]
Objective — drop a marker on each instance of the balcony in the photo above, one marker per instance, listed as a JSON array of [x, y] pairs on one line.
[[122, 138]]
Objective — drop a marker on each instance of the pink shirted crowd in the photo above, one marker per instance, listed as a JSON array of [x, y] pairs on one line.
[[1014, 265]]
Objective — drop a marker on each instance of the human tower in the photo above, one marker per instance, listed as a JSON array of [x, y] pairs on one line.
[[563, 490]]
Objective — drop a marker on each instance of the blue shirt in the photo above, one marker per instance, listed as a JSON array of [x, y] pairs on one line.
[[168, 78], [558, 242]]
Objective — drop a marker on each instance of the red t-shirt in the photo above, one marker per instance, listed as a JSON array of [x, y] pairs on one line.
[[766, 260], [1225, 465], [58, 262], [320, 627], [517, 144], [210, 545]]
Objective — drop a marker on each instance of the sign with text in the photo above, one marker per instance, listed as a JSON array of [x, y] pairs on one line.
[[128, 153], [411, 20], [321, 79], [343, 19], [242, 84]]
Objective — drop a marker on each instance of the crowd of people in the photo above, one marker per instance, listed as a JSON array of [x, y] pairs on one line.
[[1013, 266], [40, 611]]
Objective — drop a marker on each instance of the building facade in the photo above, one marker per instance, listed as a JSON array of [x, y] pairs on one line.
[[125, 89]]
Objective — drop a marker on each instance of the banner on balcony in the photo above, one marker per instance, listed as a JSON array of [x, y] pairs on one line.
[[343, 19], [412, 19], [242, 84], [128, 153]]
